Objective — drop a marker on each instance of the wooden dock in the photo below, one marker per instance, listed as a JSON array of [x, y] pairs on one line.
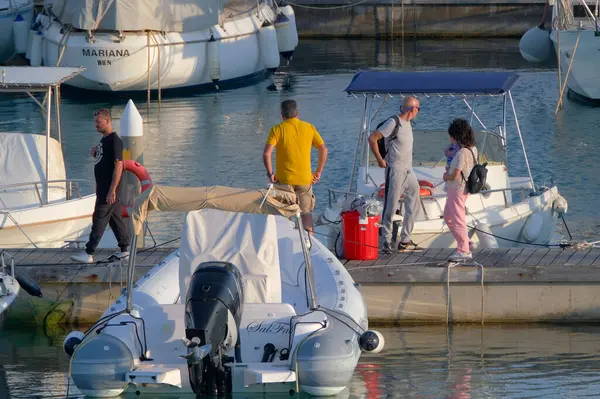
[[510, 285]]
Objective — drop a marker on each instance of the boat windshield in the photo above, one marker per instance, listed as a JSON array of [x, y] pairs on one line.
[[428, 147]]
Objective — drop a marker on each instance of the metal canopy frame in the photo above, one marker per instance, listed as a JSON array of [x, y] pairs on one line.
[[47, 86], [367, 118]]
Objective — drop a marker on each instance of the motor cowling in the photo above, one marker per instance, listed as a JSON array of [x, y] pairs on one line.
[[213, 311]]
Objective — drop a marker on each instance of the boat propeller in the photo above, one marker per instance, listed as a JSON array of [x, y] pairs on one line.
[[195, 352]]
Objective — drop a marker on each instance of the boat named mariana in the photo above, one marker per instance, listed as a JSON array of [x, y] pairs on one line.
[[105, 53]]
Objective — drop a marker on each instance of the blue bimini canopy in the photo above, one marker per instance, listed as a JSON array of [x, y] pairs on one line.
[[381, 82]]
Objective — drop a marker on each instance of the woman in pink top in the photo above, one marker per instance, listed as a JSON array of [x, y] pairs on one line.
[[455, 212]]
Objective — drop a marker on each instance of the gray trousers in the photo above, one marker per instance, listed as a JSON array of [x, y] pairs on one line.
[[400, 182]]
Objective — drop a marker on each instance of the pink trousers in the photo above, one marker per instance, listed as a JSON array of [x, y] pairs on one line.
[[455, 216]]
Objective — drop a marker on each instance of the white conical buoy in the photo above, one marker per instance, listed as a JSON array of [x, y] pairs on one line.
[[535, 45], [20, 34]]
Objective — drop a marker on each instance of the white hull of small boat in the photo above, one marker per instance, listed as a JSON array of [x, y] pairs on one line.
[[48, 226], [242, 52], [281, 342], [513, 224], [583, 79], [9, 10], [9, 289]]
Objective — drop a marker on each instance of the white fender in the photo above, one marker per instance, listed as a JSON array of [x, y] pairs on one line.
[[533, 227], [30, 36], [484, 235], [287, 34], [20, 34], [36, 49], [560, 205], [269, 50], [214, 60]]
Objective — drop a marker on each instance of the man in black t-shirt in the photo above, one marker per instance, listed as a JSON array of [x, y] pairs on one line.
[[108, 169]]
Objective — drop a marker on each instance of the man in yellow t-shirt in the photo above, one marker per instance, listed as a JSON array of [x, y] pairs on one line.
[[294, 139]]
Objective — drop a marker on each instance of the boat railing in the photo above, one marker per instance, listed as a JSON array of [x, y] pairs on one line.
[[72, 188], [333, 195]]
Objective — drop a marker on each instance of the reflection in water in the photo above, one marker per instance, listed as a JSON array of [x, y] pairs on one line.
[[467, 361]]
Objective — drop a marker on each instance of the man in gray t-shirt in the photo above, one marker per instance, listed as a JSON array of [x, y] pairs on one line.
[[400, 179]]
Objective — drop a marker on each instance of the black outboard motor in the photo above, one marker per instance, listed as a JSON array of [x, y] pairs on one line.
[[213, 310]]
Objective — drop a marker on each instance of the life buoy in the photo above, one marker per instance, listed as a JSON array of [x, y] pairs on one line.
[[423, 190], [143, 176]]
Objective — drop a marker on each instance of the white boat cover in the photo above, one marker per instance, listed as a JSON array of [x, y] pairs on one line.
[[248, 241], [138, 15], [20, 78], [23, 160]]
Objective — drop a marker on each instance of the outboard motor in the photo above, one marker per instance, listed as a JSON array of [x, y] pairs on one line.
[[213, 311]]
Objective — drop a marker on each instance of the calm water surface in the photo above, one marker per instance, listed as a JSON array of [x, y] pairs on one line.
[[218, 139]]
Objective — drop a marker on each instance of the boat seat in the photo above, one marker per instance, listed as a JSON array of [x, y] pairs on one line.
[[264, 323]]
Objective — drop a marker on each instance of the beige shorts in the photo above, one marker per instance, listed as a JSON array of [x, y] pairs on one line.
[[306, 198]]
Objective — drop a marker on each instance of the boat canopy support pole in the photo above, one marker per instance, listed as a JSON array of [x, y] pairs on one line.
[[48, 125], [57, 103], [309, 269], [473, 113], [512, 103], [358, 141], [131, 268], [504, 121]]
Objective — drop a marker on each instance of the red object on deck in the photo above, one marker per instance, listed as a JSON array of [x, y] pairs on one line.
[[361, 236]]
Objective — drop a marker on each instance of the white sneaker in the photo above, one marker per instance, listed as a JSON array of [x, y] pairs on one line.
[[119, 255], [83, 257], [460, 257]]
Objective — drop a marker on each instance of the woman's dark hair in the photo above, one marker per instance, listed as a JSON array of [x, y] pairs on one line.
[[462, 132]]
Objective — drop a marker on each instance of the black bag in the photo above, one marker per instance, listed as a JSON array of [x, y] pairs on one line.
[[381, 141], [477, 176]]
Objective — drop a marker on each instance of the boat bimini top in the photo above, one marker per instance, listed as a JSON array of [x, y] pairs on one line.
[[462, 85]]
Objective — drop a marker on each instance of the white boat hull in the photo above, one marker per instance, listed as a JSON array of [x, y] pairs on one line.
[[505, 218], [157, 299], [8, 293], [52, 225], [7, 17], [135, 63], [584, 77]]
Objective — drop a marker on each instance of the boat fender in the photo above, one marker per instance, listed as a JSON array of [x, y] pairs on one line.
[[484, 235], [71, 341], [560, 205], [143, 176], [267, 37], [37, 44], [424, 191], [214, 60], [28, 284], [371, 341], [533, 227], [535, 45], [287, 33], [20, 34]]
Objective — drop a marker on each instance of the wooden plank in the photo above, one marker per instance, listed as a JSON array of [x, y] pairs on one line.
[[589, 258], [383, 259], [563, 258], [523, 256], [440, 257], [534, 259], [552, 254], [483, 254], [495, 256], [506, 260], [577, 257]]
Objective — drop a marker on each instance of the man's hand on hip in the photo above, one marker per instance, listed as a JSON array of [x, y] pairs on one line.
[[111, 198], [93, 151], [316, 177]]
